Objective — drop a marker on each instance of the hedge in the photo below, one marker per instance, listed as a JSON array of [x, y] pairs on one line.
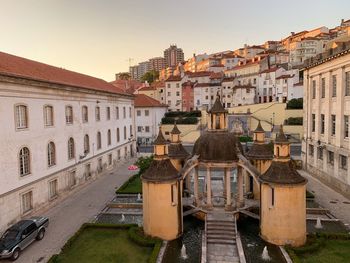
[[245, 139], [183, 114], [187, 120], [294, 121], [121, 190], [295, 104]]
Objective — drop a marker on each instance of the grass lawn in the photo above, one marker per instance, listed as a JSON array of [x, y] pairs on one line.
[[333, 251], [132, 186], [97, 245]]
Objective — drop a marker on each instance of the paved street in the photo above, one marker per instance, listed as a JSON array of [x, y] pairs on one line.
[[67, 216], [328, 198]]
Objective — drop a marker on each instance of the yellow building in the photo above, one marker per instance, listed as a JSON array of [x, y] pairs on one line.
[[177, 153], [161, 188], [283, 200]]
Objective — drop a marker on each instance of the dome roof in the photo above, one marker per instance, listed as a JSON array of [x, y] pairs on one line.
[[217, 146], [177, 151], [161, 171], [260, 151]]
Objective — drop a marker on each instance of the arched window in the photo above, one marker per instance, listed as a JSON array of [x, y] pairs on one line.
[[69, 114], [99, 140], [130, 130], [86, 144], [71, 149], [51, 154], [21, 117], [24, 161], [48, 115], [97, 113], [124, 133], [85, 114], [118, 135], [109, 139]]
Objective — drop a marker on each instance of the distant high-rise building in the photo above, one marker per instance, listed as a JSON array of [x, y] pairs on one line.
[[134, 72], [144, 67], [173, 56], [157, 63]]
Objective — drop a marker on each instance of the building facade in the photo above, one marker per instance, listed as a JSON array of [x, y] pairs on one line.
[[62, 130], [173, 56], [326, 144]]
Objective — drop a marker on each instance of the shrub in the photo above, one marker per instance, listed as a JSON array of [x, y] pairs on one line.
[[143, 163], [245, 138], [174, 114], [294, 121], [310, 195], [295, 104], [187, 120]]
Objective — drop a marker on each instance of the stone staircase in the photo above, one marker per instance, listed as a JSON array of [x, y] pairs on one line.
[[221, 238]]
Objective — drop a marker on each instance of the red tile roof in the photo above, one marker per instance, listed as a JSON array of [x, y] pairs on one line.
[[217, 75], [173, 78], [149, 88], [269, 70], [286, 76], [127, 85], [200, 85], [15, 66], [142, 100], [158, 84], [198, 74]]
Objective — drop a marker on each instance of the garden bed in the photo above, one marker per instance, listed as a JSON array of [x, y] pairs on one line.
[[131, 186], [108, 243]]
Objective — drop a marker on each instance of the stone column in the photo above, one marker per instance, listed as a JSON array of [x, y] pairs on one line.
[[196, 191], [209, 202], [228, 188], [240, 201], [188, 183]]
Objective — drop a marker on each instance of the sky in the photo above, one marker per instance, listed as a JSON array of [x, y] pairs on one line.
[[98, 37]]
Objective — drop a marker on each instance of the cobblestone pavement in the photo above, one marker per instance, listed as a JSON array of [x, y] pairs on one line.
[[328, 198], [68, 215]]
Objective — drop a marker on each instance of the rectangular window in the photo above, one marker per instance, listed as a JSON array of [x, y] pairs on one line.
[[322, 123], [69, 114], [146, 112], [333, 125], [124, 112], [346, 126], [313, 123], [21, 117], [323, 88], [331, 157], [48, 116], [72, 181], [169, 93], [147, 128], [347, 83], [27, 202], [108, 113], [118, 155], [85, 114], [109, 159], [130, 112], [139, 128], [138, 113], [311, 150], [272, 196], [53, 189], [334, 86], [314, 89], [97, 114], [117, 113], [320, 153], [343, 162]]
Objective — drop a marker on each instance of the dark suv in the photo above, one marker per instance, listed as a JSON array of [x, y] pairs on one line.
[[21, 235]]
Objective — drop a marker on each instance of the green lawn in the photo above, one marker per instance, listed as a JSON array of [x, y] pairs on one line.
[[95, 244], [132, 186]]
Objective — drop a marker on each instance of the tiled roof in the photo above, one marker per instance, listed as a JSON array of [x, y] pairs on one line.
[[217, 75], [126, 85], [158, 84], [269, 70], [199, 85], [147, 88], [285, 76], [142, 100], [300, 83], [173, 78], [228, 79], [198, 74], [15, 66]]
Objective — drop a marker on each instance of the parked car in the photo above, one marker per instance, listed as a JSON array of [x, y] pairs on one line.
[[21, 235]]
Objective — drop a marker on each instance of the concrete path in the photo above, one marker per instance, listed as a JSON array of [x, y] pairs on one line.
[[328, 198], [68, 215]]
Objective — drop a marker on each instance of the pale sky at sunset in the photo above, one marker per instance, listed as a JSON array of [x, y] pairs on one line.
[[97, 37]]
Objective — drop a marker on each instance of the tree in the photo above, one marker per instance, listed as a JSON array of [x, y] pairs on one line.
[[150, 76]]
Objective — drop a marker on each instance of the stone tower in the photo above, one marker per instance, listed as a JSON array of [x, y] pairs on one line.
[[260, 155], [177, 152], [283, 200], [161, 191]]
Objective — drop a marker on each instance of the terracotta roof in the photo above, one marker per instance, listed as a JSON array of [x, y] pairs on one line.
[[269, 70], [147, 88], [173, 78], [142, 100], [198, 74], [217, 75], [15, 66], [158, 84], [161, 171], [127, 85], [228, 79], [177, 151], [260, 151], [248, 64], [282, 173], [199, 85], [224, 56], [160, 140], [285, 76]]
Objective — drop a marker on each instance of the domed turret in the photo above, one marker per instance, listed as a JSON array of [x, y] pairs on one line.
[[177, 153]]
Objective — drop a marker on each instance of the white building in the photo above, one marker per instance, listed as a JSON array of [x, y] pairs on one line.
[[173, 93], [149, 114], [326, 144], [243, 95], [59, 129]]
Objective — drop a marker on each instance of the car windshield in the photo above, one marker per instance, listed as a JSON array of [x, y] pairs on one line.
[[10, 234]]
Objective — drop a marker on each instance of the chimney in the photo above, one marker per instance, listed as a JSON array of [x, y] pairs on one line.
[[292, 33], [342, 21]]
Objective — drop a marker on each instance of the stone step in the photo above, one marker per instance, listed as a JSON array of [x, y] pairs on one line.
[[223, 228], [221, 241], [226, 237], [224, 222], [221, 225], [226, 233]]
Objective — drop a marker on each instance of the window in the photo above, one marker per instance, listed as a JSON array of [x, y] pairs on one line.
[[129, 112], [51, 154], [331, 157], [72, 180], [24, 161], [146, 112], [86, 144], [320, 153], [117, 113], [71, 149], [138, 113], [130, 129], [125, 133], [109, 159], [147, 128], [311, 150], [21, 117], [314, 89], [109, 137], [322, 123], [53, 189], [98, 139], [313, 123], [124, 112], [323, 88], [346, 126], [272, 196], [108, 113], [118, 135], [139, 128], [27, 202], [85, 114], [177, 93], [48, 115], [333, 125], [177, 85], [97, 114], [334, 86], [347, 83], [343, 162], [69, 114]]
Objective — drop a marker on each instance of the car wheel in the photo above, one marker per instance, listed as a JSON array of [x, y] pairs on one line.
[[41, 234], [15, 254]]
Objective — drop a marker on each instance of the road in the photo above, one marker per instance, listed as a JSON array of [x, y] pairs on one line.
[[68, 215]]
